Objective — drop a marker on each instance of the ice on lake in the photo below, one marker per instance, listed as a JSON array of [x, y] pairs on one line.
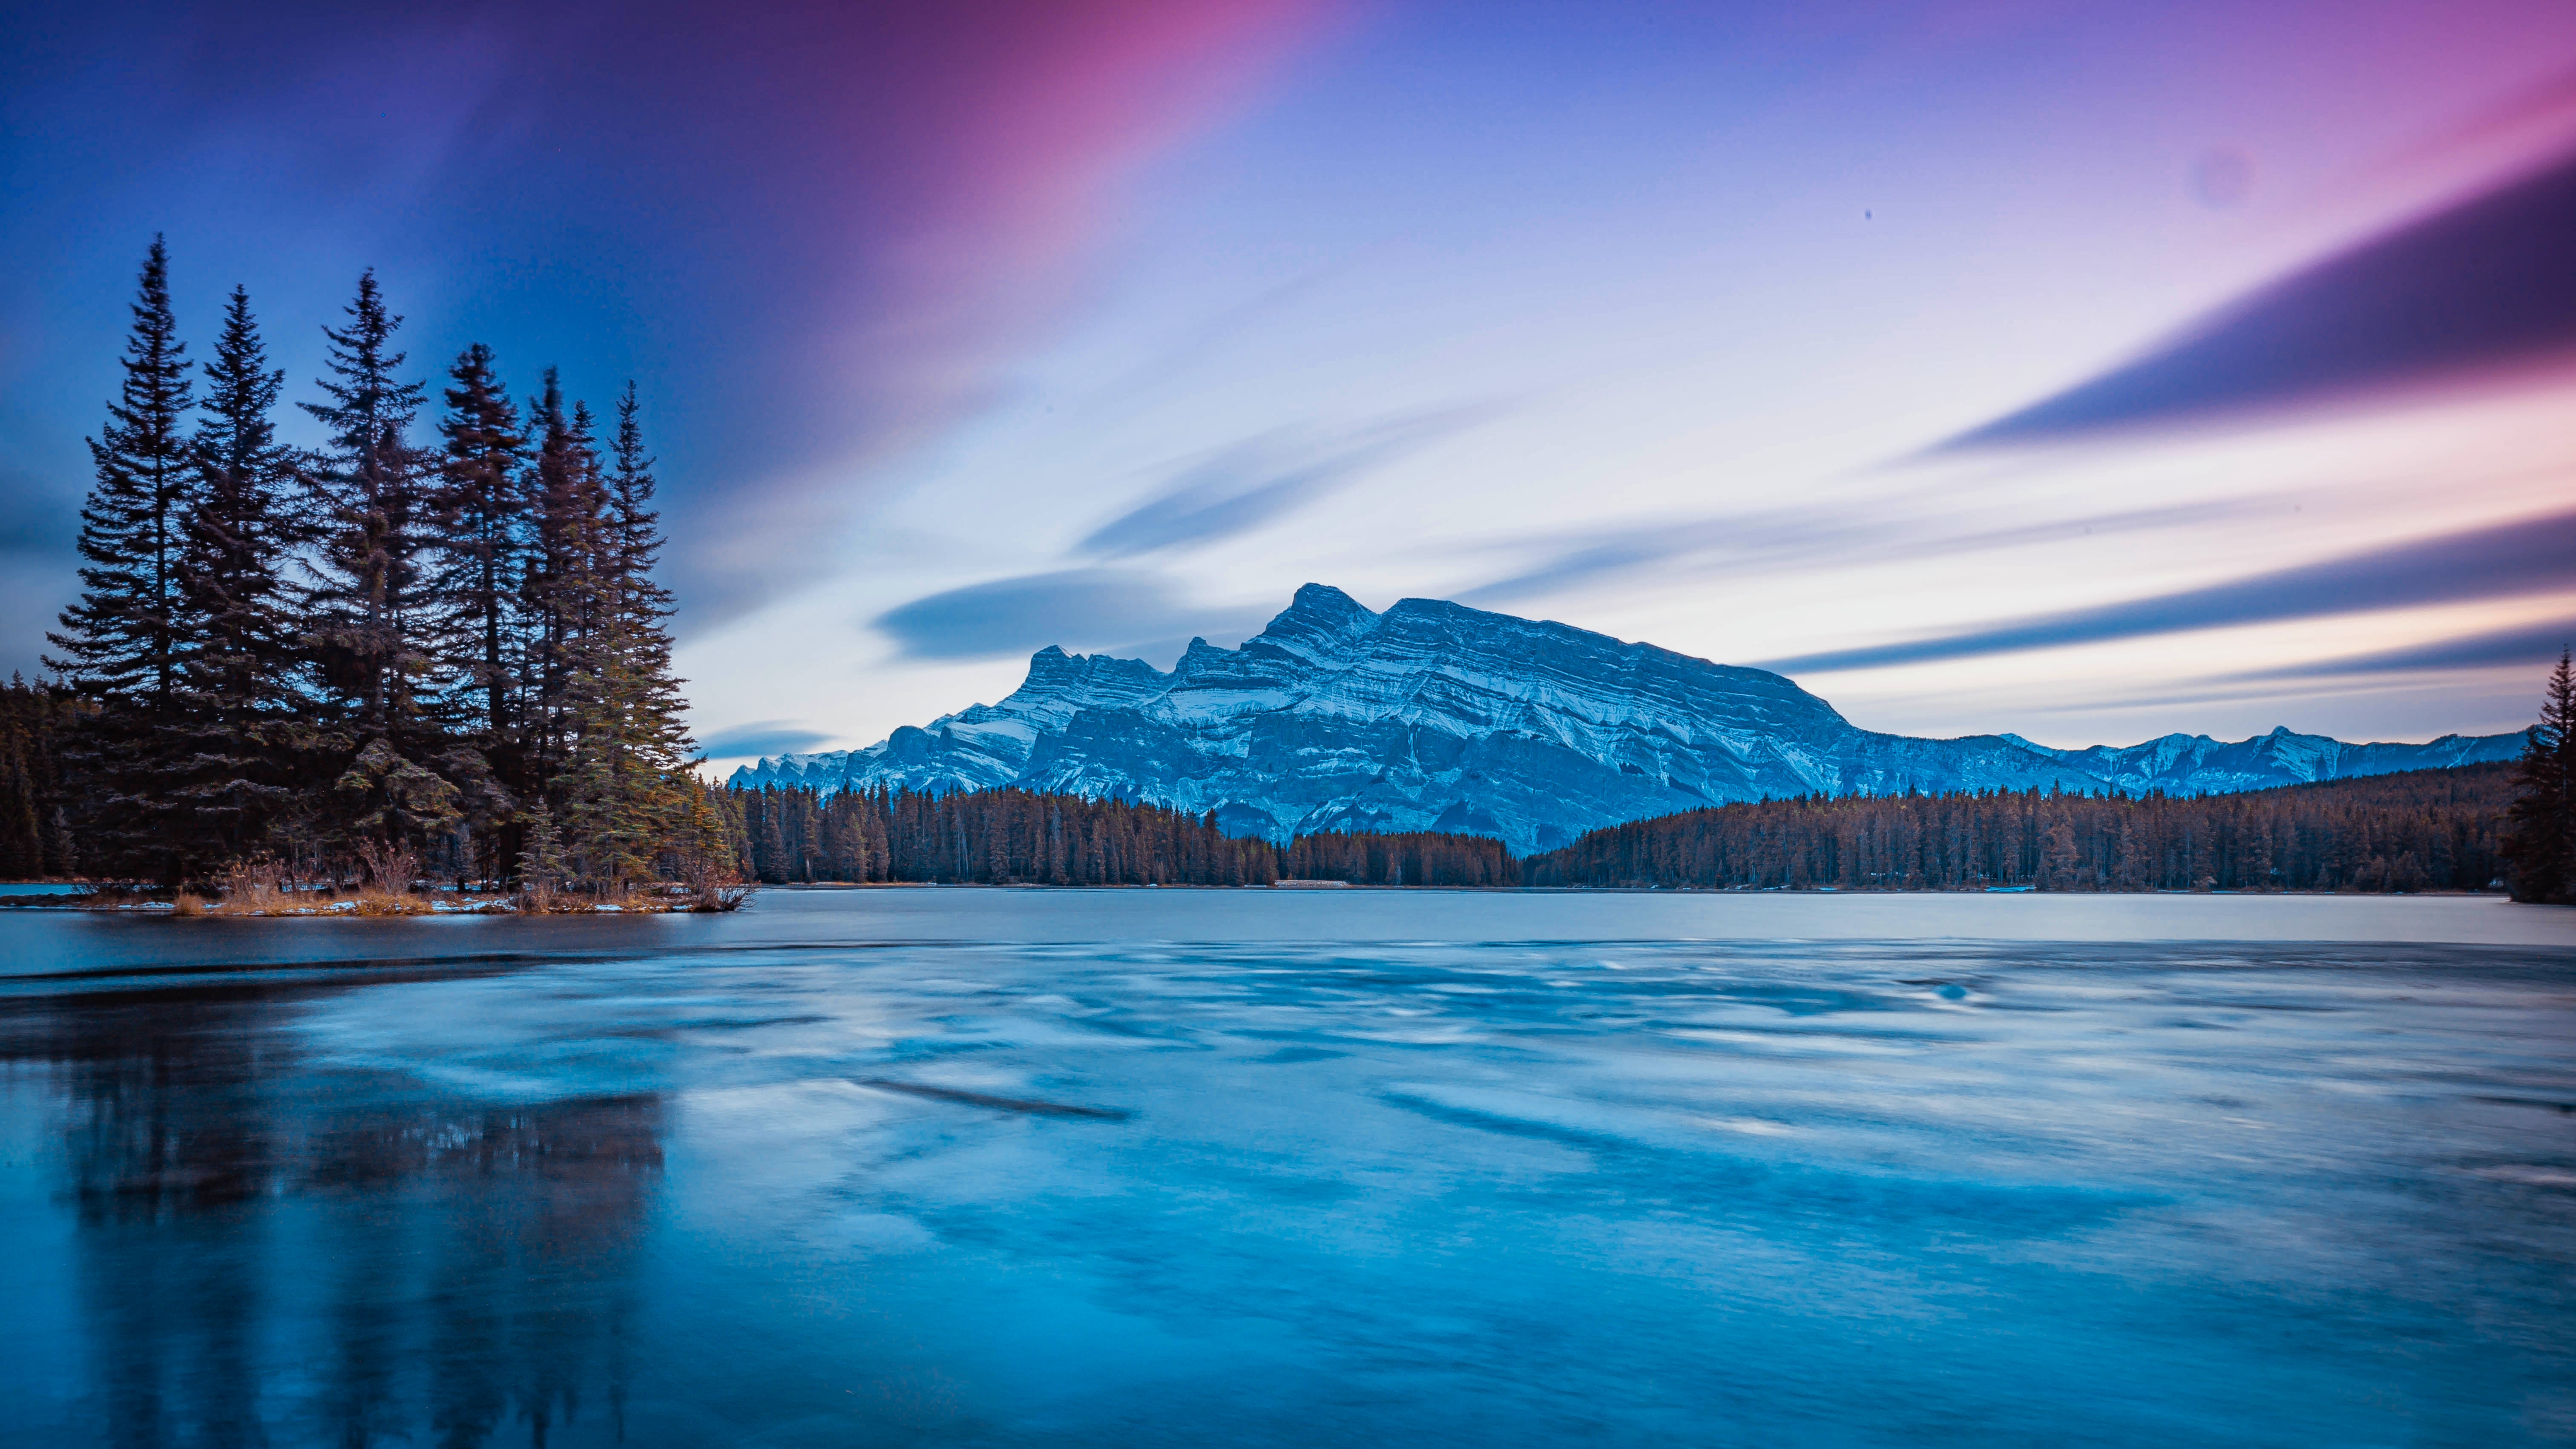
[[1022, 1167]]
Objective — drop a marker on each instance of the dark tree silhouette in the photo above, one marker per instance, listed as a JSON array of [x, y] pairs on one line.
[[481, 514], [2424, 830], [238, 742], [2541, 843], [380, 631], [121, 644]]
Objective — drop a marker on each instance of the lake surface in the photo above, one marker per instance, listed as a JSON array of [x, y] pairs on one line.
[[1030, 1167]]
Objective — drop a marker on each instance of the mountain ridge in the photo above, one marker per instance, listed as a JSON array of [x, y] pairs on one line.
[[1432, 715]]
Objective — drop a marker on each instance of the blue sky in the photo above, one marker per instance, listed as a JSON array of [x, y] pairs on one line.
[[2084, 371]]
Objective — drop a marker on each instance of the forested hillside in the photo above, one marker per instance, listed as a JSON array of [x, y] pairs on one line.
[[2424, 830], [986, 837], [1013, 837], [2428, 830], [1021, 837], [1413, 857]]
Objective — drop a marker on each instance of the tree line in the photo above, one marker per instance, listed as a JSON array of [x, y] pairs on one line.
[[1411, 858], [35, 830], [404, 651], [2427, 830], [1021, 837], [2423, 830]]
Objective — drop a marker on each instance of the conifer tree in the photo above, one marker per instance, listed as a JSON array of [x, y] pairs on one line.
[[640, 729], [541, 859], [481, 511], [557, 586], [643, 609], [2541, 842], [378, 634], [576, 605], [609, 740], [710, 840], [237, 735], [122, 639], [121, 644], [369, 599]]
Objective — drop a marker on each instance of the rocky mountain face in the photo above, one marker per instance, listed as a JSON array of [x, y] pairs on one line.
[[1434, 716]]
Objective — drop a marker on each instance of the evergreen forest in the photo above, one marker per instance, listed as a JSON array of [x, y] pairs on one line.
[[2422, 830], [2429, 830], [1020, 837], [431, 646]]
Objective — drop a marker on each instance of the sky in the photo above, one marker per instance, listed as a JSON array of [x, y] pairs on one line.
[[2089, 372]]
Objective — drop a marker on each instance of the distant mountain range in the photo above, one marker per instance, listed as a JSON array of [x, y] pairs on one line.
[[1434, 716]]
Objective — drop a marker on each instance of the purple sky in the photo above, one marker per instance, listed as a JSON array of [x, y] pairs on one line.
[[2085, 371]]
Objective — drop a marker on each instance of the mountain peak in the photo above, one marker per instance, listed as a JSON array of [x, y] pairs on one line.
[[1055, 676], [1321, 621], [1325, 606], [1051, 665], [1435, 715]]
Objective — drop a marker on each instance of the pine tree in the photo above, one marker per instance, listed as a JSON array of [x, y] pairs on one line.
[[2541, 844], [557, 592], [609, 742], [481, 512], [710, 842], [121, 644], [370, 602], [237, 735], [121, 639], [378, 633], [541, 859], [575, 606], [647, 741]]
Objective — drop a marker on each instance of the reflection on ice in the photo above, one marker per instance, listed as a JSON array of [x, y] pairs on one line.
[[1016, 1183]]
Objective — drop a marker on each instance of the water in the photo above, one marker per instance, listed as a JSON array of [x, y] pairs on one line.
[[996, 1167]]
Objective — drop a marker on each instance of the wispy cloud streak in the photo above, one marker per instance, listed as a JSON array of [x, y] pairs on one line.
[[1077, 608], [2530, 556], [2482, 283], [761, 737], [1254, 482], [1794, 538], [2521, 644]]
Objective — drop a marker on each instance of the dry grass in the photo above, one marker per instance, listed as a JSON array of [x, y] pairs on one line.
[[389, 867], [378, 901], [187, 903], [708, 889], [715, 896], [255, 888]]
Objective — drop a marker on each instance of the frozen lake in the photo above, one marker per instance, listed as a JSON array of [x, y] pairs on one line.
[[1052, 1167]]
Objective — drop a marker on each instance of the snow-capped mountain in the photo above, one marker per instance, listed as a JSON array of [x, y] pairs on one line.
[[1434, 716]]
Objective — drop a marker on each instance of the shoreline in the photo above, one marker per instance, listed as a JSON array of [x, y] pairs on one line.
[[64, 896]]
